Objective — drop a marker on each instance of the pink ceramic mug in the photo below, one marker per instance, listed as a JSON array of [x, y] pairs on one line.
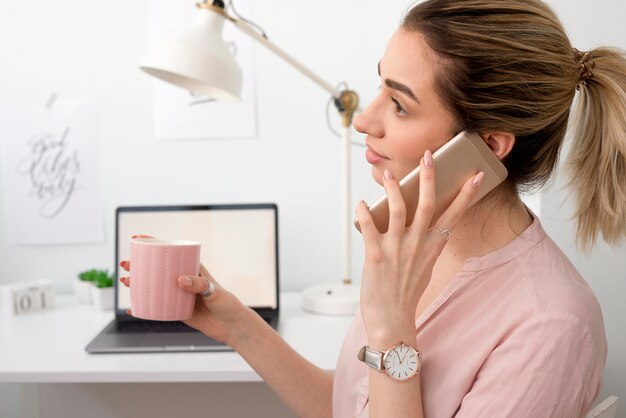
[[155, 265]]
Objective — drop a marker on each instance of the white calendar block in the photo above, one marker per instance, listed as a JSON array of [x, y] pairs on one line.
[[22, 297]]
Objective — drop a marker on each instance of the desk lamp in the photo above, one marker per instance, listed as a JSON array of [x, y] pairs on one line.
[[198, 60]]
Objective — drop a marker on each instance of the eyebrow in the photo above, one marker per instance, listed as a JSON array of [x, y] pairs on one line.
[[403, 88]]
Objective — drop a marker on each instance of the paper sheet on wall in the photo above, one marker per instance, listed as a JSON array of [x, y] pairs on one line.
[[50, 173], [180, 115]]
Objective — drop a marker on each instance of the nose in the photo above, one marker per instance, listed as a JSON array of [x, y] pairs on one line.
[[368, 122]]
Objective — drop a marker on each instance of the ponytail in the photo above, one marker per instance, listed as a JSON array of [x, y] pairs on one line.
[[597, 159]]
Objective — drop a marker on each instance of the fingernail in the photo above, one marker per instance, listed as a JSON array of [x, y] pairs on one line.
[[477, 179], [186, 281], [428, 158], [388, 175]]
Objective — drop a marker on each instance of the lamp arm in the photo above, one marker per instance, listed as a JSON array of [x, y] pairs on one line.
[[347, 103], [252, 32]]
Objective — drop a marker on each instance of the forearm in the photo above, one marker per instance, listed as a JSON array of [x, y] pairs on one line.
[[302, 386]]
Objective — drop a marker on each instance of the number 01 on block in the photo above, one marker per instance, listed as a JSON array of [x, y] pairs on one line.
[[23, 297]]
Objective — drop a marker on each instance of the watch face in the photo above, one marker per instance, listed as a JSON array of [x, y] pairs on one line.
[[401, 362]]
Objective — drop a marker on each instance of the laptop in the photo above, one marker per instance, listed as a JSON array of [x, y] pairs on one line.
[[239, 248]]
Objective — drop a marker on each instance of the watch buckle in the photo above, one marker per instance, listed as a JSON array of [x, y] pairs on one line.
[[361, 355]]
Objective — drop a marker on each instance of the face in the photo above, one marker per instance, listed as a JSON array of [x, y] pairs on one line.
[[407, 117]]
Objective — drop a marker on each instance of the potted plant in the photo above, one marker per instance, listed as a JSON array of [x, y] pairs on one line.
[[95, 286], [102, 290], [83, 285]]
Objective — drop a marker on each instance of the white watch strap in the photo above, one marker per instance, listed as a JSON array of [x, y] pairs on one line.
[[372, 358]]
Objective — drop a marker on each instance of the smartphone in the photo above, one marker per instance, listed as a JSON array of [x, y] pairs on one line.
[[456, 161]]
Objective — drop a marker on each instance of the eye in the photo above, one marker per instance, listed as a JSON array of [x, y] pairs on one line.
[[400, 111]]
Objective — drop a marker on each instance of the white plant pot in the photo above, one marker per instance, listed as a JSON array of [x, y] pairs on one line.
[[102, 297], [82, 290]]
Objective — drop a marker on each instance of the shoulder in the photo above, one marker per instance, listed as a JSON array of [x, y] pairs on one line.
[[533, 268], [562, 310], [531, 281], [555, 284]]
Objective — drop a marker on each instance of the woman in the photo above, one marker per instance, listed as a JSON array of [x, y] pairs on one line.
[[503, 323]]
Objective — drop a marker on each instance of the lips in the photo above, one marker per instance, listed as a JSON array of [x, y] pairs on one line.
[[373, 157]]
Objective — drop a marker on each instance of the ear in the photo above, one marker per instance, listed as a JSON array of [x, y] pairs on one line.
[[501, 143]]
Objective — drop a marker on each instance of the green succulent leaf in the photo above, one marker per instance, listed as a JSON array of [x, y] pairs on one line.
[[100, 278]]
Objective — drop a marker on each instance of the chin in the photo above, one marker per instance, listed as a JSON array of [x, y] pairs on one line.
[[377, 175]]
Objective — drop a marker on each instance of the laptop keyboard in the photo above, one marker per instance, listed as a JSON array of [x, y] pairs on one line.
[[153, 326], [159, 326]]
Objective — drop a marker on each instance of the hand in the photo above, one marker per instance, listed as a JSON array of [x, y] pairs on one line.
[[398, 264], [217, 315]]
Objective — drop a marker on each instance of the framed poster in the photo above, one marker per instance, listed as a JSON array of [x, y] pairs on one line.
[[50, 173]]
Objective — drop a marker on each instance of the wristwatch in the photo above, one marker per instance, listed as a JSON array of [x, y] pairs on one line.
[[401, 362]]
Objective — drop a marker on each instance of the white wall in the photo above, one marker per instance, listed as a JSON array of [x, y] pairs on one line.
[[90, 50]]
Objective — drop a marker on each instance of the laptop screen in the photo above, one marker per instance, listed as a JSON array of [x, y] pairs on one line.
[[239, 245]]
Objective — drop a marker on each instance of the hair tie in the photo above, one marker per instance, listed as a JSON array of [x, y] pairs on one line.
[[586, 62]]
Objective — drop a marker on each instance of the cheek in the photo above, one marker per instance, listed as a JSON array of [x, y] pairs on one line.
[[409, 151], [407, 143], [408, 160]]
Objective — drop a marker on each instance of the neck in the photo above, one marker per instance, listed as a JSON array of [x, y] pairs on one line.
[[487, 226]]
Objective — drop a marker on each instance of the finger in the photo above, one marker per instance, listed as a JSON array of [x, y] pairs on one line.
[[125, 264], [461, 203], [125, 281], [204, 273], [193, 284], [397, 208], [426, 201], [366, 222]]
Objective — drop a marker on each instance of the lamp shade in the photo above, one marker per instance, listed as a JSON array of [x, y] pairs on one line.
[[197, 60]]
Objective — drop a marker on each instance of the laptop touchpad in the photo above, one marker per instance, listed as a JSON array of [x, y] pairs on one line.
[[176, 339]]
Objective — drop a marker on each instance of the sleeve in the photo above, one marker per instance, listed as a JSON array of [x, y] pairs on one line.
[[549, 366]]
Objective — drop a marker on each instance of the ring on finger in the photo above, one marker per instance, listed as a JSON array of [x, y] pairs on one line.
[[209, 290], [444, 232]]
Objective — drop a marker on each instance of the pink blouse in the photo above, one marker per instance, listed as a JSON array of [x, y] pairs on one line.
[[516, 333]]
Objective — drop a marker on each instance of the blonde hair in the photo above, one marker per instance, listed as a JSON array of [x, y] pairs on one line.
[[596, 161], [507, 65]]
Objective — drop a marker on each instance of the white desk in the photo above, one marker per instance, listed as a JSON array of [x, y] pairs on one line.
[[48, 347]]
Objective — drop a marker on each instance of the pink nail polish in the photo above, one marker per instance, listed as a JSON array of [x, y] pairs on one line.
[[477, 179], [428, 158], [388, 175]]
